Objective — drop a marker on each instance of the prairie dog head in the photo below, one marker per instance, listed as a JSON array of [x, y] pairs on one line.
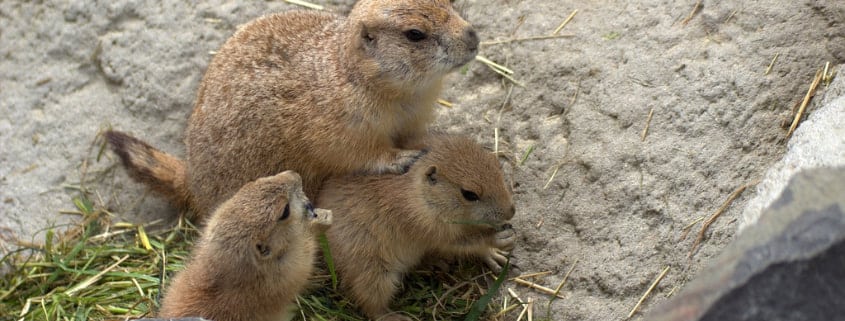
[[267, 219], [413, 40], [464, 184]]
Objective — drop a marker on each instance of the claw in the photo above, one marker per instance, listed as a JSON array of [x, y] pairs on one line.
[[495, 259]]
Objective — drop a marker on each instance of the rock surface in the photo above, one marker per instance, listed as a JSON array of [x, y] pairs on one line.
[[787, 266], [818, 142]]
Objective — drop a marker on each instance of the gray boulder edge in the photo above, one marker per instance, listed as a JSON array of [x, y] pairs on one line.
[[788, 266]]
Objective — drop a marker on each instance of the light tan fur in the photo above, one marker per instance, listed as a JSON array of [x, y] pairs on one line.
[[320, 94], [385, 224], [252, 259]]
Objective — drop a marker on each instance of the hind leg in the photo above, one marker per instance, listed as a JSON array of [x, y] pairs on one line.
[[373, 290]]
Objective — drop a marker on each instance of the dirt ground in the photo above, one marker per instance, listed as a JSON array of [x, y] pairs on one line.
[[590, 190]]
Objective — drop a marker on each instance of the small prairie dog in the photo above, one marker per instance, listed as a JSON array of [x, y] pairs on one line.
[[318, 93], [453, 200], [255, 255]]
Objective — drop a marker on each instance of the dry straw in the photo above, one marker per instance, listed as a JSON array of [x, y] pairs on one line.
[[648, 292]]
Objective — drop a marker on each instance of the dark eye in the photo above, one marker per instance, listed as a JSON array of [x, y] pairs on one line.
[[469, 196], [286, 212], [415, 35]]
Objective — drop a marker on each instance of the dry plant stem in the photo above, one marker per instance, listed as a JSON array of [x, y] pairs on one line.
[[510, 40], [88, 282], [809, 96], [563, 24], [439, 301], [647, 124], [305, 4], [522, 314], [537, 287], [499, 120], [827, 75], [565, 277], [647, 292], [532, 275], [519, 24], [672, 291], [513, 294], [521, 303], [771, 64], [494, 65], [552, 177], [733, 13], [445, 103], [499, 69], [540, 223], [716, 215], [530, 308], [692, 13], [575, 96], [688, 228]]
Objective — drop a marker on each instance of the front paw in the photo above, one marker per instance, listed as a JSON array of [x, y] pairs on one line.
[[505, 238], [495, 259]]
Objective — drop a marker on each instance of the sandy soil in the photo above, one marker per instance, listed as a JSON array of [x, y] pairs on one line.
[[617, 204]]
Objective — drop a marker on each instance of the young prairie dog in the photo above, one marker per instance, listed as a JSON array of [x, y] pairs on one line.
[[318, 93], [453, 200], [256, 253]]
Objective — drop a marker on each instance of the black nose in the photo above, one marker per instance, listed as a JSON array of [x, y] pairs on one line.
[[471, 38]]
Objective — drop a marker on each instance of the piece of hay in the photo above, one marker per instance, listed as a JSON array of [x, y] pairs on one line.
[[566, 21], [647, 292], [809, 96], [538, 287], [647, 124], [305, 4], [771, 64], [716, 215]]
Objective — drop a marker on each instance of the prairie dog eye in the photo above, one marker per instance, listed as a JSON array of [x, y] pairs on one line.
[[285, 213], [469, 195], [415, 35]]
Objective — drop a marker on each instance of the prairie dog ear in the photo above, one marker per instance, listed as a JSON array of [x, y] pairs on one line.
[[431, 175]]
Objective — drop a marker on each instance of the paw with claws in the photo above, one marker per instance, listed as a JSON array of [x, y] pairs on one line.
[[503, 243]]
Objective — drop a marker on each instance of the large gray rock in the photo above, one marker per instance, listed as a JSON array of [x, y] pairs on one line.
[[819, 141], [790, 265]]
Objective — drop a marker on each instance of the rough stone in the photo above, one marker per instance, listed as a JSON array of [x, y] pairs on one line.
[[788, 266], [819, 141]]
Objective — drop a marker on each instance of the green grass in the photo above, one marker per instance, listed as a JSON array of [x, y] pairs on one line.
[[97, 269]]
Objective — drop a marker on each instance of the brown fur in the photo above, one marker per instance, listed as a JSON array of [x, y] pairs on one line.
[[385, 224], [163, 173], [320, 94], [251, 262]]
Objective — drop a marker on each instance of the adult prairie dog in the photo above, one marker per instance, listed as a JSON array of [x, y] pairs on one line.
[[453, 200], [255, 255], [314, 92]]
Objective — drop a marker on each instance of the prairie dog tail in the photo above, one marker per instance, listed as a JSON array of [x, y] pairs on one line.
[[161, 172]]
